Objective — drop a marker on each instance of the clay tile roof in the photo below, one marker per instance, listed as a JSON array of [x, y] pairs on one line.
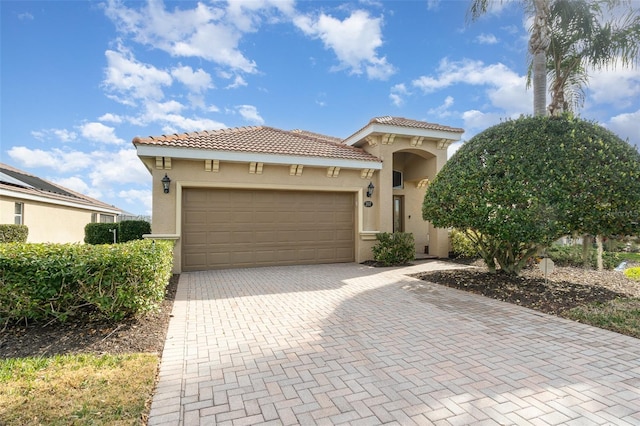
[[405, 122], [261, 139]]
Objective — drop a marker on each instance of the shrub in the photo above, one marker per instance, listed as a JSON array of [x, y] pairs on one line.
[[524, 183], [633, 273], [129, 230], [99, 233], [42, 281], [13, 233], [396, 248], [572, 256], [461, 245]]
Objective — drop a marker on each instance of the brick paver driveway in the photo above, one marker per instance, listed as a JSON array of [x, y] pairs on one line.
[[348, 344]]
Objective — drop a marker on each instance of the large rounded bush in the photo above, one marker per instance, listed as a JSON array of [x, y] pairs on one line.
[[521, 184]]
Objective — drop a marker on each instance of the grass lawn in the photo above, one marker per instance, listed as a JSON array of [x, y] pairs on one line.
[[630, 257], [619, 315], [76, 389]]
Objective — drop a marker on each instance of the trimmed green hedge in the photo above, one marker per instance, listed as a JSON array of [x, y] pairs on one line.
[[127, 230], [43, 281], [13, 233], [395, 248]]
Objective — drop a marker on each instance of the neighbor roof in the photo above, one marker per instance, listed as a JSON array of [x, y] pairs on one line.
[[261, 140], [18, 183]]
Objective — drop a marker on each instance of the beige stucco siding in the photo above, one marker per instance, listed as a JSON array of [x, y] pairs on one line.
[[416, 163], [46, 222], [191, 174]]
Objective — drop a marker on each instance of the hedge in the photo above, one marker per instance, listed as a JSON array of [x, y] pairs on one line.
[[127, 230], [60, 281], [13, 233]]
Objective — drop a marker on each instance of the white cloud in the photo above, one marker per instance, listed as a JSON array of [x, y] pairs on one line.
[[137, 197], [246, 15], [98, 132], [196, 81], [486, 39], [443, 110], [111, 118], [25, 16], [238, 81], [56, 159], [250, 113], [63, 135], [504, 87], [619, 87], [475, 121], [174, 123], [199, 32], [110, 169], [627, 126], [353, 40], [131, 80], [75, 183], [398, 92]]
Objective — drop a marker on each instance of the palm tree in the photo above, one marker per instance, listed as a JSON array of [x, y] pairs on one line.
[[583, 38], [539, 41]]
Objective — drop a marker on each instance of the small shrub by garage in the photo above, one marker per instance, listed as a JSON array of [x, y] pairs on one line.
[[397, 248], [13, 233], [59, 281]]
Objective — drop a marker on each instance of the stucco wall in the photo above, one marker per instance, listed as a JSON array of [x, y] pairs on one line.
[[48, 223], [191, 173], [416, 163]]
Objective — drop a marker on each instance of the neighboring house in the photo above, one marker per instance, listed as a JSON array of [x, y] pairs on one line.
[[52, 213], [258, 196]]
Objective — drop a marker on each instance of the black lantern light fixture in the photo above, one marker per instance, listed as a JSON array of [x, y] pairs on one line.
[[166, 181], [370, 189]]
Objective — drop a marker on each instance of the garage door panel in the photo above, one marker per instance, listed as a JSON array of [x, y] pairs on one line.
[[262, 227]]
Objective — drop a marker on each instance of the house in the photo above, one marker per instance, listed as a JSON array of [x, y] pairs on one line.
[[52, 213], [258, 196]]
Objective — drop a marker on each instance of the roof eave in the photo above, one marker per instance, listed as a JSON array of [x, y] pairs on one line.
[[43, 198], [248, 157], [359, 137]]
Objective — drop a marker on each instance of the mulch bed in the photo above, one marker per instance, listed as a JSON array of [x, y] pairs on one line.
[[83, 335], [565, 288]]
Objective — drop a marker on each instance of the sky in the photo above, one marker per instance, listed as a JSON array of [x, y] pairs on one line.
[[80, 79]]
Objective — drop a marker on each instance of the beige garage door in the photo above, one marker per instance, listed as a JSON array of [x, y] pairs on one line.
[[224, 228]]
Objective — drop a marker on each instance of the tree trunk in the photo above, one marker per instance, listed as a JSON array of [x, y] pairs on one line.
[[599, 248], [586, 248], [538, 45]]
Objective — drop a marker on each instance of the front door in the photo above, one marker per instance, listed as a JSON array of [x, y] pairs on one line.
[[398, 213]]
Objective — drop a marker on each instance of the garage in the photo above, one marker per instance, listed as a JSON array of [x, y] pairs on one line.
[[232, 228]]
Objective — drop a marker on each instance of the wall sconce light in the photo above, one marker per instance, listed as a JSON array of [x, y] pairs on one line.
[[370, 189], [166, 181]]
